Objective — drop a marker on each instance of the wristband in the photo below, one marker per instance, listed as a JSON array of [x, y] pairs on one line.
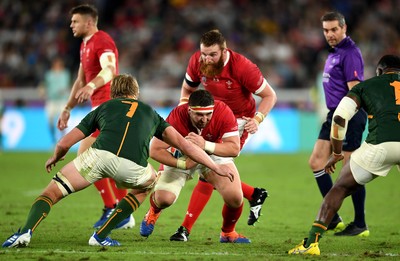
[[256, 121], [209, 147], [183, 100], [67, 108], [181, 164], [91, 85], [337, 154], [259, 117]]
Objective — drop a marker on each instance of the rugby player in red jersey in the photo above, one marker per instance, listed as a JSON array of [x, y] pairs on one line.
[[212, 126], [232, 78], [98, 65]]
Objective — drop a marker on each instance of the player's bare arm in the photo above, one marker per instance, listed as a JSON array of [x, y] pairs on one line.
[[159, 151], [173, 138], [62, 122], [63, 146], [230, 146], [268, 100], [346, 109], [186, 90], [352, 84]]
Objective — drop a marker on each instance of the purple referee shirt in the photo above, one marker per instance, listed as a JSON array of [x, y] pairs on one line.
[[344, 64]]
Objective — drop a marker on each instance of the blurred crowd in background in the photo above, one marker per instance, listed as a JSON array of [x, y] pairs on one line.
[[155, 38]]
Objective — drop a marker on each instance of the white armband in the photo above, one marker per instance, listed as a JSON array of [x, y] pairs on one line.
[[107, 61], [209, 147], [346, 110]]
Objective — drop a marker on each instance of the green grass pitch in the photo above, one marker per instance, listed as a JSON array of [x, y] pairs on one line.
[[287, 215]]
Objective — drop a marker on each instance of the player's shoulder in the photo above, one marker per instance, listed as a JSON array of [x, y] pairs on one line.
[[241, 64], [238, 57], [102, 36], [101, 33], [221, 107], [219, 104], [143, 105], [373, 81], [179, 111]]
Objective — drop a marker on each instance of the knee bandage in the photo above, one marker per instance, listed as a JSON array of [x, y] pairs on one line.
[[63, 184]]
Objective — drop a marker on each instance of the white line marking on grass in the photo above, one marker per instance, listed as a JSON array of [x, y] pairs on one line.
[[95, 251]]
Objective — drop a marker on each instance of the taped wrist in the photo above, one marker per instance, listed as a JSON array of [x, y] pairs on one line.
[[92, 85], [181, 164], [209, 147], [183, 100], [67, 109], [259, 117]]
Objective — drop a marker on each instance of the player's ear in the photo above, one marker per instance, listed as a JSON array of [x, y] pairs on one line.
[[379, 71]]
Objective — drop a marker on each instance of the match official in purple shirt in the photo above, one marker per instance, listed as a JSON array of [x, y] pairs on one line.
[[344, 68]]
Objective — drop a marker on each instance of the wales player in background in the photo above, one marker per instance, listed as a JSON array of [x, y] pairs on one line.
[[232, 78], [380, 97], [98, 65]]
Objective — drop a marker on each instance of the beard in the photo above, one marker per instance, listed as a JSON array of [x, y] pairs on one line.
[[212, 69]]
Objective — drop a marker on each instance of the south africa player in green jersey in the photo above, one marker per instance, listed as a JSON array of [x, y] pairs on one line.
[[380, 97], [120, 152]]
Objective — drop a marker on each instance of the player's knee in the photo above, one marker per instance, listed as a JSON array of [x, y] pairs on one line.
[[234, 201], [312, 163], [163, 198], [316, 163]]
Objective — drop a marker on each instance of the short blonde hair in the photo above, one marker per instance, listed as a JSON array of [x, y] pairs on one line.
[[124, 85]]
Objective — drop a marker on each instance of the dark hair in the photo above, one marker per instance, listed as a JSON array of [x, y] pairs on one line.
[[201, 98], [85, 9], [213, 37], [388, 62], [334, 16]]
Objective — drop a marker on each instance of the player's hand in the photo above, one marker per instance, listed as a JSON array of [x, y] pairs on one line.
[[196, 139], [251, 125], [84, 94], [225, 171], [62, 122], [330, 166], [51, 163]]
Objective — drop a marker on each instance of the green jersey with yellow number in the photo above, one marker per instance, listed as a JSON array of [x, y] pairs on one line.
[[380, 97], [126, 128]]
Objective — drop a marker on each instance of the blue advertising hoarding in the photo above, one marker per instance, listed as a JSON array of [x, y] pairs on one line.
[[26, 129]]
